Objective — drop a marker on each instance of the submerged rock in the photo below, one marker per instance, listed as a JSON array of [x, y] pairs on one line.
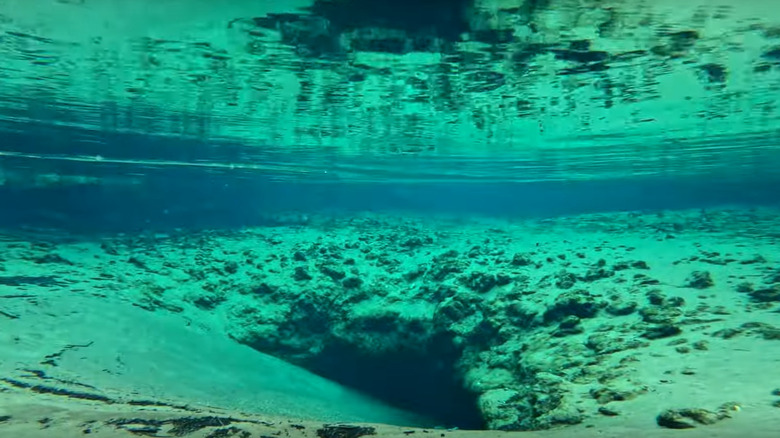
[[445, 265], [565, 280], [569, 326], [344, 431], [767, 294], [699, 280], [597, 273], [301, 274], [620, 308], [578, 303], [334, 273], [464, 318], [352, 282], [691, 417], [604, 343], [661, 331], [498, 408], [525, 351], [606, 395], [480, 282], [674, 420], [609, 412], [521, 260]]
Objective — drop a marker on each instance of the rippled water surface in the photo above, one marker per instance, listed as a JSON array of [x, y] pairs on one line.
[[372, 90]]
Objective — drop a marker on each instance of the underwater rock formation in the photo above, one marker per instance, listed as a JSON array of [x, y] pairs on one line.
[[691, 417], [443, 321]]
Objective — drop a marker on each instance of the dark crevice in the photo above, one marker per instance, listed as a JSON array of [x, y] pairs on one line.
[[423, 383]]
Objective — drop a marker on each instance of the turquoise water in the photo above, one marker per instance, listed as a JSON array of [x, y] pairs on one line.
[[512, 215]]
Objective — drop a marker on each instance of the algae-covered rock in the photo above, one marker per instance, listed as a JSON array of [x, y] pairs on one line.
[[660, 315], [621, 308], [569, 326], [661, 331], [773, 277], [333, 272], [604, 343], [352, 282], [689, 418], [480, 282], [655, 297], [208, 301], [463, 316], [604, 395], [727, 333], [457, 308], [699, 280], [520, 259], [645, 280], [565, 280], [597, 273], [415, 273], [578, 303], [499, 410], [766, 331], [482, 378], [414, 242], [766, 294], [565, 414], [771, 333], [441, 269], [301, 274], [382, 332], [519, 315], [608, 411], [673, 419]]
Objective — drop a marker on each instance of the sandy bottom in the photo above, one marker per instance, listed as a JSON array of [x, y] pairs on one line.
[[48, 416], [107, 337]]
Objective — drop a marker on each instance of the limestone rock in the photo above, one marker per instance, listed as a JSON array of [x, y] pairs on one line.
[[691, 417], [699, 280], [578, 303]]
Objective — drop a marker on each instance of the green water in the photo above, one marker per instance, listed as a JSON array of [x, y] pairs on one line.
[[552, 215]]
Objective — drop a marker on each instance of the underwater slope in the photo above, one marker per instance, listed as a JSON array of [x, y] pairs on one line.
[[82, 342]]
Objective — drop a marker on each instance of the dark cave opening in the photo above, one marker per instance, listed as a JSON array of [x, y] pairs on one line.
[[424, 384]]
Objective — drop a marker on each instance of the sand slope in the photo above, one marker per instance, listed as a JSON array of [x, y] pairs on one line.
[[90, 343]]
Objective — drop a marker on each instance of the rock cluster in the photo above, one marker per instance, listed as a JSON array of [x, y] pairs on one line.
[[542, 334]]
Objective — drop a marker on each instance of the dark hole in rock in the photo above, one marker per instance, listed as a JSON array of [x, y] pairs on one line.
[[425, 384]]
